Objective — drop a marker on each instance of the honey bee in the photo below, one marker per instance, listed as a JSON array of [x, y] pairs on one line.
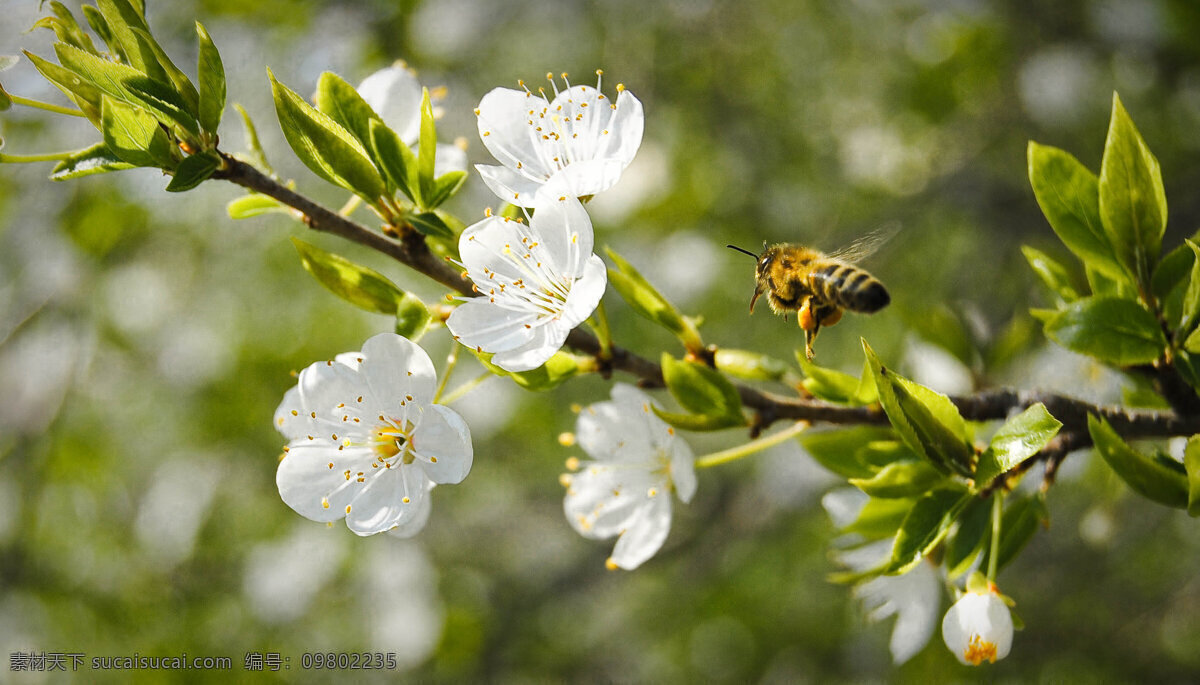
[[818, 286]]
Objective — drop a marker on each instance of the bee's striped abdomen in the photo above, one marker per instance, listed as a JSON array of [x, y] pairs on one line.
[[849, 287]]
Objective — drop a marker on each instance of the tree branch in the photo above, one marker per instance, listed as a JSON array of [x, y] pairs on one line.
[[983, 406]]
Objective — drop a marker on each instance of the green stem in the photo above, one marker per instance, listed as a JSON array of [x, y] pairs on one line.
[[36, 104], [44, 157], [451, 361], [352, 204], [997, 515], [599, 325], [735, 453], [465, 388]]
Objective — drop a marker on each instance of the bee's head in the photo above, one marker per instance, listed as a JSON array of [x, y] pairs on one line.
[[764, 259]]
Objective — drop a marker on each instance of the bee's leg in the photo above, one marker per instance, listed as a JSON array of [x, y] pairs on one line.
[[809, 320]]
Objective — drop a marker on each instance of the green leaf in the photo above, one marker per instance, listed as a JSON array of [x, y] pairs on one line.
[[396, 160], [193, 171], [430, 224], [326, 148], [645, 299], [926, 420], [925, 526], [254, 204], [66, 28], [1069, 195], [412, 317], [1172, 270], [560, 367], [900, 479], [1021, 437], [183, 85], [1155, 477], [1191, 464], [344, 105], [129, 85], [97, 159], [360, 286], [828, 384], [881, 518], [702, 390], [697, 422], [748, 365], [1053, 274], [133, 135], [974, 531], [210, 72], [444, 187], [96, 20], [121, 19], [83, 93], [1133, 205], [259, 158], [1017, 526], [845, 451], [427, 152], [1111, 329], [1191, 298]]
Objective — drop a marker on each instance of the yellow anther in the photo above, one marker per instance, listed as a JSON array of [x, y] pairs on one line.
[[610, 564], [573, 463]]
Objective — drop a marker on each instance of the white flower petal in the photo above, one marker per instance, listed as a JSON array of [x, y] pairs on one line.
[[397, 370], [482, 325], [325, 385], [645, 537], [504, 116], [978, 628], [509, 185], [442, 442], [582, 178], [395, 95], [380, 504], [602, 500], [414, 521], [625, 129], [486, 246], [547, 339], [290, 419], [314, 490], [586, 293], [564, 232], [683, 471], [913, 598], [610, 433]]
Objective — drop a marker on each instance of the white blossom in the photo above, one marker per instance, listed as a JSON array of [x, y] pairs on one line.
[[576, 144], [625, 490], [395, 95], [366, 443], [978, 628], [536, 282], [913, 597]]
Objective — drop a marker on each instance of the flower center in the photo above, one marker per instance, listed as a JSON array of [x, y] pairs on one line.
[[979, 649], [392, 439]]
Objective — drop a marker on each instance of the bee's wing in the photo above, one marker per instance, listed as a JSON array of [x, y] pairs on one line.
[[867, 245]]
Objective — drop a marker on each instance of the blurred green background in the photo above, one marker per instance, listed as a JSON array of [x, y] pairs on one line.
[[145, 340]]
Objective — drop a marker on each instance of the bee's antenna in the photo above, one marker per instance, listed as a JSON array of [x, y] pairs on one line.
[[735, 247]]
